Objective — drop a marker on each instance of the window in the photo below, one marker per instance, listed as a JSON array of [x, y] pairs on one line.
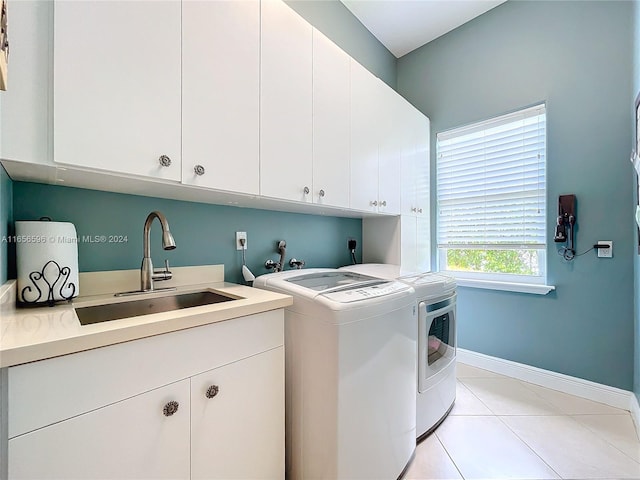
[[491, 195]]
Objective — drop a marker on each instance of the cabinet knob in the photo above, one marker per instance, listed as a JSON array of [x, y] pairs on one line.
[[321, 193], [170, 408], [212, 391], [164, 160], [306, 190], [414, 209], [419, 210], [374, 203], [383, 203], [199, 170]]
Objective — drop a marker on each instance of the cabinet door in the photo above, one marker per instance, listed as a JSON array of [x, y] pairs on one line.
[[116, 92], [220, 94], [422, 164], [408, 118], [237, 419], [364, 139], [131, 439], [285, 99], [331, 122], [422, 172], [25, 136], [389, 150]]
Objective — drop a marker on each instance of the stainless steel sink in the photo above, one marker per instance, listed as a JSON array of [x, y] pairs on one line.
[[135, 308]]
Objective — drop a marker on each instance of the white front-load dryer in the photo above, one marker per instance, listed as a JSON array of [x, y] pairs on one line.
[[436, 365], [350, 349]]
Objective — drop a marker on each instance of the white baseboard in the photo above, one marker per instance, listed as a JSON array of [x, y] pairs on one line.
[[597, 392]]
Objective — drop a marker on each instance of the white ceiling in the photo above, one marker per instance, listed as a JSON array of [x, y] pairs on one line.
[[404, 25]]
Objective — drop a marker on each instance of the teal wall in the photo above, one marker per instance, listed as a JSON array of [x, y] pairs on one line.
[[6, 217], [204, 234], [576, 57], [335, 20]]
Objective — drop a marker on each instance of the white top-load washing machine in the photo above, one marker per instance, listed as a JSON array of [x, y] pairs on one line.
[[350, 347], [436, 301]]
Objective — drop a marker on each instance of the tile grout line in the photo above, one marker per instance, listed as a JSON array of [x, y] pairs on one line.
[[504, 423], [601, 437], [561, 413], [478, 398], [449, 455], [540, 398], [529, 446], [509, 428], [551, 406], [528, 386]]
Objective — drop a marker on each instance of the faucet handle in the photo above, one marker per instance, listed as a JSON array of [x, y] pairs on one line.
[[298, 264], [271, 265], [162, 274]]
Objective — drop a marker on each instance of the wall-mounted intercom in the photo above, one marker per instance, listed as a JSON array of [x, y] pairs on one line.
[[565, 225], [565, 229]]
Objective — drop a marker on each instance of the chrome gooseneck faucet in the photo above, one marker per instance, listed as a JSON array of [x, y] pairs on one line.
[[147, 273]]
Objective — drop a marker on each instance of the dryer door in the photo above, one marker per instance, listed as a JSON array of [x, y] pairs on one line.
[[436, 339]]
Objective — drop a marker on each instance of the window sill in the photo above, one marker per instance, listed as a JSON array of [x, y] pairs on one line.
[[505, 286]]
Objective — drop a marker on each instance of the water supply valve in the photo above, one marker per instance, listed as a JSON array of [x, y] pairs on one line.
[[297, 264]]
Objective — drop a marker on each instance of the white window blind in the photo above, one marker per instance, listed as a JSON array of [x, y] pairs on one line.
[[491, 183]]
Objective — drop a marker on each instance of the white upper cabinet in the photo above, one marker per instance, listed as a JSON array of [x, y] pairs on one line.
[[220, 95], [285, 104], [365, 110], [415, 162], [331, 122], [390, 143], [376, 144], [230, 96], [416, 214], [25, 136], [116, 86]]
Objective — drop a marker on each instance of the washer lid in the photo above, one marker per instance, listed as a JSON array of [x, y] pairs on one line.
[[356, 293], [330, 280]]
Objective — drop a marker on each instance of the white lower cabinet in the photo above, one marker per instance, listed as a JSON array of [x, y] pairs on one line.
[[131, 439], [200, 403], [237, 413]]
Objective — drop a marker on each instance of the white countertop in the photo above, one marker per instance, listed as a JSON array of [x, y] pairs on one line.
[[35, 333]]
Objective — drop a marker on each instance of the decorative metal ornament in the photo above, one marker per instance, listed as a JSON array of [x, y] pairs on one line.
[[56, 279]]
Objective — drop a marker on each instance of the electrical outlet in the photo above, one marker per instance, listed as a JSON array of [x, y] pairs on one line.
[[605, 252], [240, 236]]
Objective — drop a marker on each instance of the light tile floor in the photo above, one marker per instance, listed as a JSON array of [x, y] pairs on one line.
[[503, 428]]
